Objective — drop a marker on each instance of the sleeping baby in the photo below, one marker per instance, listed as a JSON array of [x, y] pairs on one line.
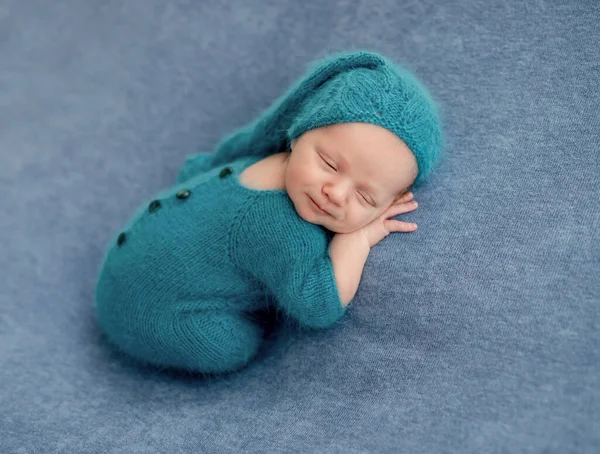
[[282, 215]]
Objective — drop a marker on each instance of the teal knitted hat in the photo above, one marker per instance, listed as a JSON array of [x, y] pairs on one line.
[[368, 88], [352, 86]]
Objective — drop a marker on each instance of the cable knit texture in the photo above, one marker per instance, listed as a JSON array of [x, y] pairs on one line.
[[353, 86], [180, 282]]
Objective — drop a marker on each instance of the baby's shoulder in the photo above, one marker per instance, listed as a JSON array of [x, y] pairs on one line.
[[266, 174]]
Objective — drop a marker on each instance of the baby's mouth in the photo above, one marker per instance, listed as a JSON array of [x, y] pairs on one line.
[[317, 207]]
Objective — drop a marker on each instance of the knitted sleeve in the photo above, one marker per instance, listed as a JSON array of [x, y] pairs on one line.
[[290, 258]]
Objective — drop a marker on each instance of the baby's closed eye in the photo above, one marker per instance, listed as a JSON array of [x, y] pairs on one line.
[[366, 198]]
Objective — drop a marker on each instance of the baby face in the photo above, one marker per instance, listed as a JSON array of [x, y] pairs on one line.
[[345, 175]]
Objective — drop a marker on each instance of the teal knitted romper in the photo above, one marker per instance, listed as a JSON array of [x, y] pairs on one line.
[[178, 283], [182, 280]]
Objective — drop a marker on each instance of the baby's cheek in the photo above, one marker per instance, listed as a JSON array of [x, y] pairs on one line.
[[350, 224], [357, 218], [365, 219]]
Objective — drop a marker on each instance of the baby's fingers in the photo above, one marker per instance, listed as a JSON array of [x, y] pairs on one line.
[[399, 226], [405, 198], [400, 208]]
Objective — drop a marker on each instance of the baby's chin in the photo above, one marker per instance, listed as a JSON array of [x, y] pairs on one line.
[[334, 227]]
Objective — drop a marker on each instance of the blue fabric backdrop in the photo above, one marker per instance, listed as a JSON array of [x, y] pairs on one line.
[[479, 332]]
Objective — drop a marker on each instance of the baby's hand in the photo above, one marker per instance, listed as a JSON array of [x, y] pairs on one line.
[[383, 226]]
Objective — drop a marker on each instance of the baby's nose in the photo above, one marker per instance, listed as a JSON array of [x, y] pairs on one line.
[[336, 199], [336, 195]]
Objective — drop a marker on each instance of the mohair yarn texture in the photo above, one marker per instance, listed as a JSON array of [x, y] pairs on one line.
[[357, 86], [181, 281]]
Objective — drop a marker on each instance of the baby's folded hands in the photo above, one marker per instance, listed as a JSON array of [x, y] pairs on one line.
[[383, 225]]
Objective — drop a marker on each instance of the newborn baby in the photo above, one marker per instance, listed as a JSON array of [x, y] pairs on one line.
[[349, 178], [282, 215]]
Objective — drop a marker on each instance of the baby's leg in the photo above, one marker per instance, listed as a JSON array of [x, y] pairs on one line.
[[207, 341]]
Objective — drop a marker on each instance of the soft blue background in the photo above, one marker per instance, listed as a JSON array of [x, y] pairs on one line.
[[477, 333]]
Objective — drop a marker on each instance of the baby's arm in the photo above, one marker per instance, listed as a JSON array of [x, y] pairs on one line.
[[290, 259], [348, 252]]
